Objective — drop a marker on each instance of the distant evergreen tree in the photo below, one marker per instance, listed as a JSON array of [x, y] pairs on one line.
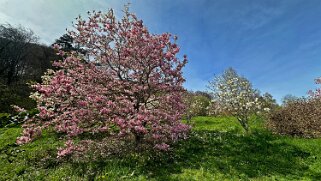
[[67, 44]]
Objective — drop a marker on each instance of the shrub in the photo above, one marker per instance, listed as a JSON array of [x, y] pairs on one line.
[[14, 120], [301, 117], [128, 87], [4, 119], [15, 95], [196, 104]]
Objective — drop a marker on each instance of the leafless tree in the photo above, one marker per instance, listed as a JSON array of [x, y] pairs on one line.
[[14, 49]]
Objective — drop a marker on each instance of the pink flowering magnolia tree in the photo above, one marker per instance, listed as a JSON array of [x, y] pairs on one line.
[[128, 86]]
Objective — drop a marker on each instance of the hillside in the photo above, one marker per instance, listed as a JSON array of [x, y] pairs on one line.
[[216, 150]]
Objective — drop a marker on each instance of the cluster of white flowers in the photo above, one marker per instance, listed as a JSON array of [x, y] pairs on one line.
[[36, 96], [234, 95], [237, 96], [47, 76], [267, 109]]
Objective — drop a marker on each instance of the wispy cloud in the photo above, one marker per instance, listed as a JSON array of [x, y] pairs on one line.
[[49, 18]]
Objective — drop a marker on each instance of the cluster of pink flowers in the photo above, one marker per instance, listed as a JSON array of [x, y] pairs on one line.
[[67, 150], [28, 134], [129, 84]]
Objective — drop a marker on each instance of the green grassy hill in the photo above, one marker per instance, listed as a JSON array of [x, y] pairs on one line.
[[216, 150]]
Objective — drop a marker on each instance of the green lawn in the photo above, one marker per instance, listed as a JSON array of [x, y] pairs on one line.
[[216, 150]]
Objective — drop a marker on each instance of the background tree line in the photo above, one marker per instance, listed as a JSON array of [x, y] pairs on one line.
[[23, 60]]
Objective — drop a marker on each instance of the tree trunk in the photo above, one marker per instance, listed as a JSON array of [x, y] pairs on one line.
[[244, 124], [138, 142], [189, 118]]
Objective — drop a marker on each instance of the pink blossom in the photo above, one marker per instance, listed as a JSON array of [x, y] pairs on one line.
[[67, 150], [56, 47], [43, 112], [104, 111], [22, 140], [83, 103], [168, 55], [61, 53], [162, 146], [140, 129]]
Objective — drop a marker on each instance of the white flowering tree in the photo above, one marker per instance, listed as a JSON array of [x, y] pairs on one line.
[[235, 96]]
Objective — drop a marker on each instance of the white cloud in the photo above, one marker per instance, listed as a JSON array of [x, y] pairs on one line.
[[49, 18]]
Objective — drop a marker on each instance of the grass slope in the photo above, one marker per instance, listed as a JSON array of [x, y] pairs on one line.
[[216, 150]]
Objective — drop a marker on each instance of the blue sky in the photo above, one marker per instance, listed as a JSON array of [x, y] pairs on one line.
[[276, 44]]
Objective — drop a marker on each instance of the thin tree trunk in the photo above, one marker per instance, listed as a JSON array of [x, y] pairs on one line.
[[189, 118], [244, 124]]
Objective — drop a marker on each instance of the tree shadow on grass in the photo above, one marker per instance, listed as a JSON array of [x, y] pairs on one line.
[[255, 155]]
